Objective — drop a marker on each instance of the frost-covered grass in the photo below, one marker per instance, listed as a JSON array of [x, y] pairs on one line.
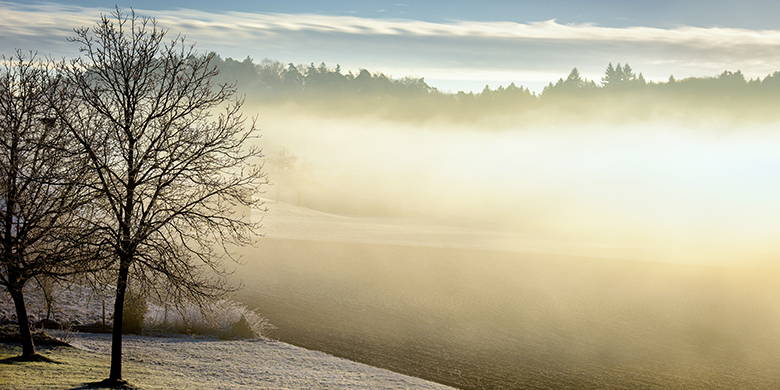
[[82, 305], [215, 319], [190, 363], [73, 304]]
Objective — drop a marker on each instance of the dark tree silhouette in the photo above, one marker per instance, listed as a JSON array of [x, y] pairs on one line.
[[574, 84], [172, 153], [43, 202], [610, 75]]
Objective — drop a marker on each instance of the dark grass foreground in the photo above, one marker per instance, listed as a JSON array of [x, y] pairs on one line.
[[107, 384], [28, 359], [65, 367]]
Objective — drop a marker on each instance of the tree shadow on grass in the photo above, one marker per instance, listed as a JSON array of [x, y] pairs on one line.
[[106, 384], [28, 359]]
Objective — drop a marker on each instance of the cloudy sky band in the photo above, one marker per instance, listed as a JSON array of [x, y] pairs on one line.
[[502, 50]]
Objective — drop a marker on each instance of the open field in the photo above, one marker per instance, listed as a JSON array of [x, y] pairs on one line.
[[481, 319], [187, 363]]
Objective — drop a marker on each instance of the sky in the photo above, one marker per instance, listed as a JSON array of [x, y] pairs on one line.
[[454, 45]]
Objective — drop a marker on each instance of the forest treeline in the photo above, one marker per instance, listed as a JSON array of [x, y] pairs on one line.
[[621, 94]]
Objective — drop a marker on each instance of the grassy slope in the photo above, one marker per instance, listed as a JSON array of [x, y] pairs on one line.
[[479, 319], [77, 368], [199, 363]]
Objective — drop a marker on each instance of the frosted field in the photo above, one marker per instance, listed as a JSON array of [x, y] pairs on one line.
[[262, 364], [183, 362]]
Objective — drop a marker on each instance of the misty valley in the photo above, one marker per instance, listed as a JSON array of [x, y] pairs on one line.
[[579, 258], [377, 195]]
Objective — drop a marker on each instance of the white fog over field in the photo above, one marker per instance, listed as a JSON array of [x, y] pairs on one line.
[[669, 192]]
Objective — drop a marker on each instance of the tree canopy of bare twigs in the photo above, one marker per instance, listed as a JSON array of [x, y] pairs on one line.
[[173, 156], [43, 206]]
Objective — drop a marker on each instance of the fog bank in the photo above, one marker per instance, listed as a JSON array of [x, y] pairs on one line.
[[659, 190]]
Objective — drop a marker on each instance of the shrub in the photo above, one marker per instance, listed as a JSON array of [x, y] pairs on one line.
[[223, 318], [135, 312]]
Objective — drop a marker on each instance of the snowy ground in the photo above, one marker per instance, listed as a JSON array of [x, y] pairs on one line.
[[260, 364]]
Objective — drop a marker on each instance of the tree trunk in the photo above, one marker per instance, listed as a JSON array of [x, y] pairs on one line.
[[28, 348], [116, 332]]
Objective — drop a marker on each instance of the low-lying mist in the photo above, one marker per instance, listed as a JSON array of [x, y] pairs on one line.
[[638, 255], [663, 190]]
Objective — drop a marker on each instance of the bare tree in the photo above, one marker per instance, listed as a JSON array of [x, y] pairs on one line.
[[48, 289], [43, 206], [174, 156]]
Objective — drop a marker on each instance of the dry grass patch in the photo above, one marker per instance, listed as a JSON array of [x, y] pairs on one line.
[[77, 369]]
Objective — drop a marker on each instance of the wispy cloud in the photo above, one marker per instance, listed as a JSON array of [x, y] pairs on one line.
[[497, 48], [549, 29]]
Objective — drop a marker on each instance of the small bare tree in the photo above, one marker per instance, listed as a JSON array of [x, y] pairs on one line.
[[43, 205], [48, 289], [173, 153]]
